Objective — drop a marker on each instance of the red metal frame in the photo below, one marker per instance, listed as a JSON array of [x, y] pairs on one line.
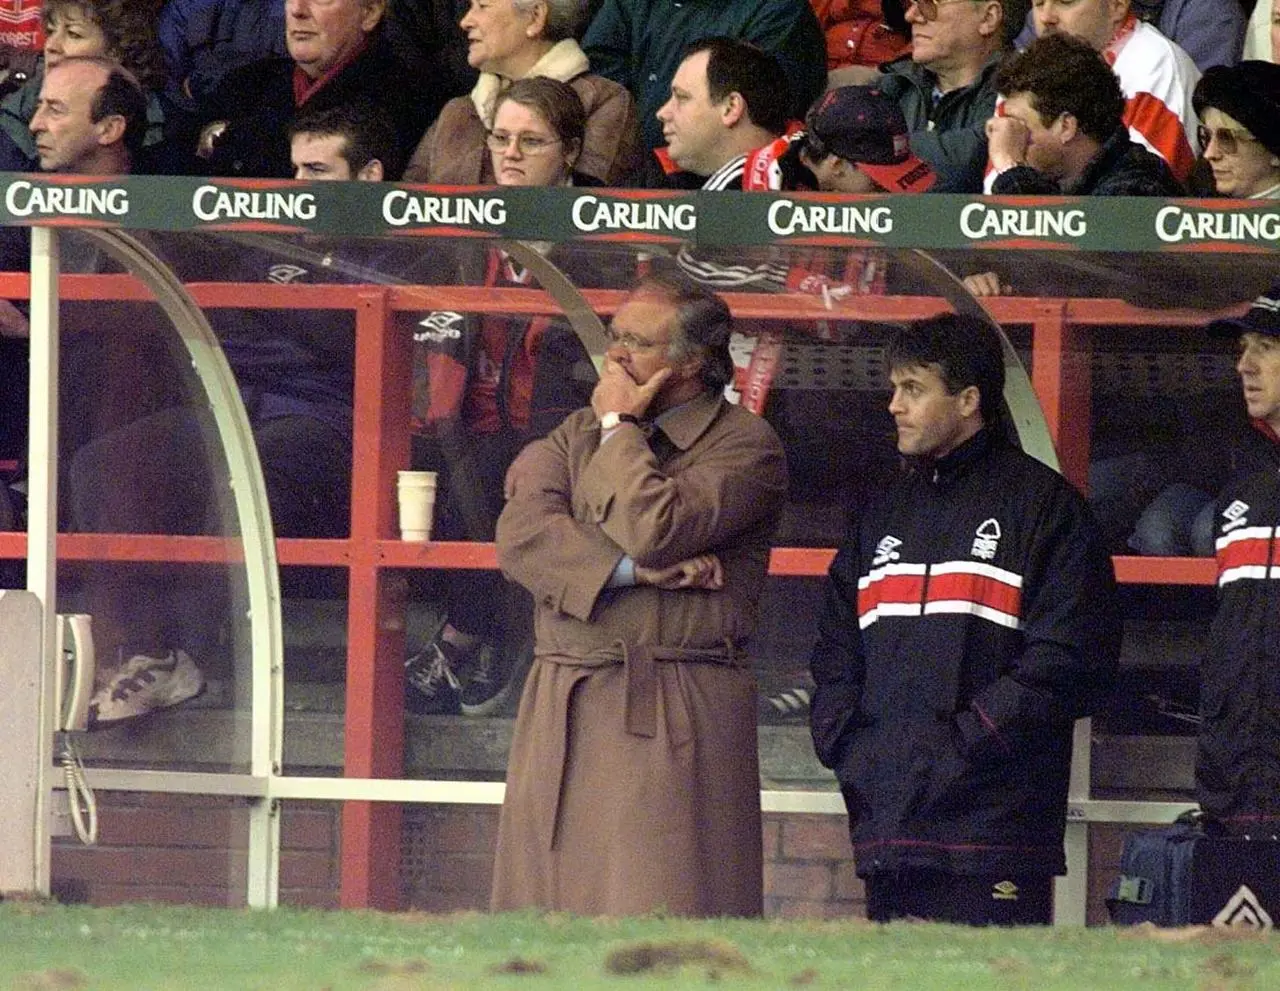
[[374, 741]]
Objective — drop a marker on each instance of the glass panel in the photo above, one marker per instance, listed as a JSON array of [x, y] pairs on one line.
[[141, 457]]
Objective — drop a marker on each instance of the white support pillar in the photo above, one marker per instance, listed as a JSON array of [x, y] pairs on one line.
[[27, 618]]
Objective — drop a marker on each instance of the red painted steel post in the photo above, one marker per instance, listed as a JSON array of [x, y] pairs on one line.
[[374, 742], [1061, 372]]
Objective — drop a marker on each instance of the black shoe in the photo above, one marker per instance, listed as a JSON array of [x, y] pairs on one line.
[[430, 686], [495, 682]]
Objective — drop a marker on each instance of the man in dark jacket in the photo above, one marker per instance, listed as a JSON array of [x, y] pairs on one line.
[[970, 619], [337, 54], [1238, 762], [1062, 131], [945, 87]]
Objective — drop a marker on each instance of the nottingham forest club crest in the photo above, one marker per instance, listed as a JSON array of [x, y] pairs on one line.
[[986, 540]]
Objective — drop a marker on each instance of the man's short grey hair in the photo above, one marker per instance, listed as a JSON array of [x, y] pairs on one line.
[[564, 17]]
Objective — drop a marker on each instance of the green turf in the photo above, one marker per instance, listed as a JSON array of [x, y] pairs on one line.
[[161, 947]]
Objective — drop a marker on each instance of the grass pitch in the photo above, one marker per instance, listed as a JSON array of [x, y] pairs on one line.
[[46, 947]]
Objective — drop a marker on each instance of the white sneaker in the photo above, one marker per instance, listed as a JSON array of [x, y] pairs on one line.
[[145, 684]]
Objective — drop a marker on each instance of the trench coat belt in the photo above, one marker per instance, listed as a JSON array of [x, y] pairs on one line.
[[640, 709], [640, 662]]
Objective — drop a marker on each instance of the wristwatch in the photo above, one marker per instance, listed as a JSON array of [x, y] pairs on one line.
[[610, 420]]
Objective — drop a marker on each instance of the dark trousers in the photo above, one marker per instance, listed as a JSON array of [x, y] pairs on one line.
[[935, 896]]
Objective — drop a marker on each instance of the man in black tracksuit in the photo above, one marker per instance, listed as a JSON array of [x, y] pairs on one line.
[[1238, 762], [970, 619]]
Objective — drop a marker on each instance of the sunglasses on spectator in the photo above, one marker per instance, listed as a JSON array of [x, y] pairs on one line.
[[929, 8], [1229, 139], [529, 144]]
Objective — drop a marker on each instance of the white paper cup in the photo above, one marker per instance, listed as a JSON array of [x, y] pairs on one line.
[[416, 495]]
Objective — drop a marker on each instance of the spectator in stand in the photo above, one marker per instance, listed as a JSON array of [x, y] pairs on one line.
[[294, 369], [728, 99], [500, 383], [1156, 76], [1239, 110], [337, 53], [1062, 128], [1237, 774], [861, 34], [856, 141], [344, 143], [1210, 31], [90, 119], [114, 29], [945, 86], [517, 39], [640, 44], [1061, 132], [203, 40]]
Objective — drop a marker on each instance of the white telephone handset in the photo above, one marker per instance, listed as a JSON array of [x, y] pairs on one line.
[[74, 670]]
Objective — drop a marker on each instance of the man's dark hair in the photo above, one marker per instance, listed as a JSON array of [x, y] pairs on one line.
[[1064, 75], [967, 351], [366, 128], [119, 94], [703, 320], [735, 66]]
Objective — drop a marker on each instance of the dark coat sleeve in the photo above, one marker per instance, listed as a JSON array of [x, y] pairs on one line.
[[838, 663]]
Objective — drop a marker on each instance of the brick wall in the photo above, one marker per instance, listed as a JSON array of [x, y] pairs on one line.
[[177, 848], [191, 849]]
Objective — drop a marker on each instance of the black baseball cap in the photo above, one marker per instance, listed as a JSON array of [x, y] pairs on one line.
[[1262, 317], [862, 125]]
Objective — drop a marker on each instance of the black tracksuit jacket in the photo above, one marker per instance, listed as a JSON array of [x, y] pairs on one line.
[[970, 618]]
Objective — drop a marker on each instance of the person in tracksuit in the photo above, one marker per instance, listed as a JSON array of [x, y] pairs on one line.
[[1238, 758], [970, 619]]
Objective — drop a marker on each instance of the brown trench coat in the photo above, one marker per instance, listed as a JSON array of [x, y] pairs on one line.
[[453, 152], [634, 786]]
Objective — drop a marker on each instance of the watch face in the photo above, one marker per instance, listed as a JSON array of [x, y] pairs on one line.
[[609, 421]]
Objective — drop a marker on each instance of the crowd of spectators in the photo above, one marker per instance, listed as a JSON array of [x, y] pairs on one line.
[[1093, 97], [224, 77]]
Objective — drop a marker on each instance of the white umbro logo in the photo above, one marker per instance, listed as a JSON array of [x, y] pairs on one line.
[[1243, 911], [886, 550], [439, 326], [1234, 515], [284, 274]]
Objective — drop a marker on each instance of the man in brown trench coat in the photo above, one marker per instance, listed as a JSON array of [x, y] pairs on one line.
[[642, 526]]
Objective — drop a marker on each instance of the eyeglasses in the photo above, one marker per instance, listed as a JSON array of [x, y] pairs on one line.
[[929, 8], [1229, 139], [529, 144], [631, 342]]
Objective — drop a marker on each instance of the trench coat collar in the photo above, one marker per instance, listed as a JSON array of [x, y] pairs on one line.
[[684, 424]]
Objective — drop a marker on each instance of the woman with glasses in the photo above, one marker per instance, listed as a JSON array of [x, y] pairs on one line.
[[1239, 111], [501, 381], [511, 40], [539, 126]]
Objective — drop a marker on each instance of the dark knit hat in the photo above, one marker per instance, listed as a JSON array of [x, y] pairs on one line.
[[1247, 91], [1262, 317]]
